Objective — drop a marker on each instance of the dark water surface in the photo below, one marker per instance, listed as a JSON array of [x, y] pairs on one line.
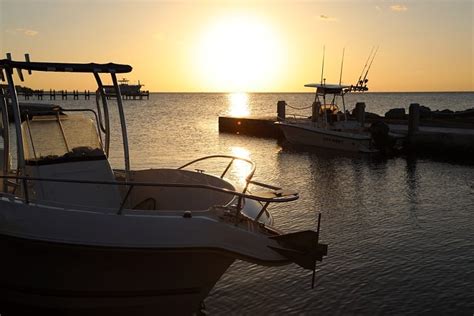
[[400, 231]]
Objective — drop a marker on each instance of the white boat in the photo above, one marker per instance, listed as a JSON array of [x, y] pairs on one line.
[[77, 235], [328, 127]]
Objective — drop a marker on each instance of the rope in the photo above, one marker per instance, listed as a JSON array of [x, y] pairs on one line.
[[296, 108]]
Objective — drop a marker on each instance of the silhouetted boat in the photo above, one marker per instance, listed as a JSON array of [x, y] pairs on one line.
[[125, 88], [328, 127]]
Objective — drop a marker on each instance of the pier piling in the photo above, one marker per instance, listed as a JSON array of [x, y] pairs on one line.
[[360, 113], [281, 110], [413, 119], [315, 111]]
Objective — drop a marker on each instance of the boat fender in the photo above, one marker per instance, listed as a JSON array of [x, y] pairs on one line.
[[187, 214]]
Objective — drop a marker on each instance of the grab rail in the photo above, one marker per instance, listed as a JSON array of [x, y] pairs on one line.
[[248, 178], [232, 159], [276, 199]]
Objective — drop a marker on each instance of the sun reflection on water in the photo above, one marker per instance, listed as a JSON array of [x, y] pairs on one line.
[[241, 169], [239, 104]]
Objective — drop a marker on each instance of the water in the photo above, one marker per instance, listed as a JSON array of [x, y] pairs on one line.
[[379, 103], [400, 231]]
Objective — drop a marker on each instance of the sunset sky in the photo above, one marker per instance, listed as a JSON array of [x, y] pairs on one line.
[[262, 46]]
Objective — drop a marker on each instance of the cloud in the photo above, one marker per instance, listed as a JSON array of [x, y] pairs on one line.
[[23, 31], [399, 8], [326, 18]]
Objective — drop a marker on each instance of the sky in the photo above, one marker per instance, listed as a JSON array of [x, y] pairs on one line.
[[248, 46]]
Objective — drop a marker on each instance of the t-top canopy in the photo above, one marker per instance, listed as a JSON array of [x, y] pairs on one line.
[[328, 88], [65, 67]]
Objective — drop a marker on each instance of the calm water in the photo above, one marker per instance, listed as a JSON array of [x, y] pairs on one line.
[[400, 231]]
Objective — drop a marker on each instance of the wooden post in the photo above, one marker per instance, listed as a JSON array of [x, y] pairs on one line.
[[281, 110], [315, 111], [360, 113], [413, 118]]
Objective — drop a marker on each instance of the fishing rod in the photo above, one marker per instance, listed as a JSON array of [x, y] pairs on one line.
[[368, 68], [363, 69]]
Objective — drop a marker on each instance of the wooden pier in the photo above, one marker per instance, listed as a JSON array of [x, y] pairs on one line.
[[52, 94], [136, 96]]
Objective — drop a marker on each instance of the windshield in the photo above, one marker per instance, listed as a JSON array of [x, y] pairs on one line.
[[52, 139]]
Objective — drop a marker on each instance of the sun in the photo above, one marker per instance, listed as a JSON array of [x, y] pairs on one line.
[[239, 53]]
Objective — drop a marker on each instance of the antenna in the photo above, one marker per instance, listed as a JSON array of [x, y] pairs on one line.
[[342, 65], [322, 68]]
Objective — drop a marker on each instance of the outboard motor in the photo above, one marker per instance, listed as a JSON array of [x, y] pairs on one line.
[[382, 140]]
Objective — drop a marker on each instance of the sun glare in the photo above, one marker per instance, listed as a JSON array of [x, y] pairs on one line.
[[241, 168], [239, 53], [239, 104]]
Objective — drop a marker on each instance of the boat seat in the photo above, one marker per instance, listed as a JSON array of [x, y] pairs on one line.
[[80, 194]]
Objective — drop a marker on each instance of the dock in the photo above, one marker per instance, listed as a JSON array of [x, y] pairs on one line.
[[53, 94], [250, 126], [437, 140], [427, 136], [136, 96]]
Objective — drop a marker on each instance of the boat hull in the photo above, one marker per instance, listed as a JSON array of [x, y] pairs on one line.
[[318, 137], [67, 278], [141, 261]]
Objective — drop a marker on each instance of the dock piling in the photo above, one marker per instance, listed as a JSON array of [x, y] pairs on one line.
[[413, 118], [360, 113], [281, 110], [315, 111]]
